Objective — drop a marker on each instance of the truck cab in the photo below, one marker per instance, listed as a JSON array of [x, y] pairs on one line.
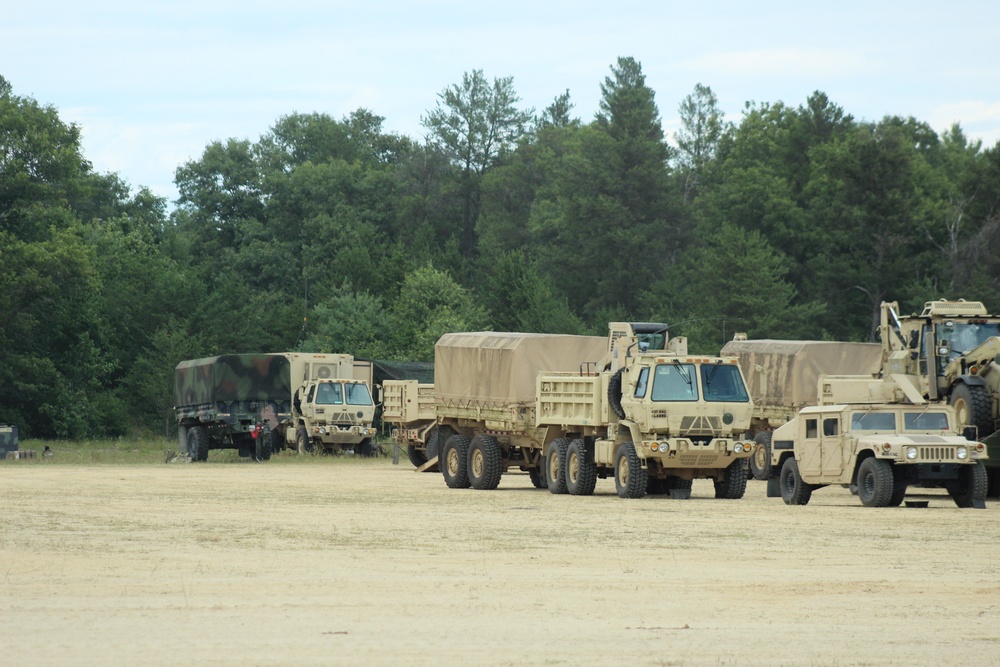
[[333, 414], [880, 448]]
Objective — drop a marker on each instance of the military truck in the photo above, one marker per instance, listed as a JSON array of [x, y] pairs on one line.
[[949, 353], [330, 415], [8, 439], [882, 449], [570, 410], [261, 403], [783, 377]]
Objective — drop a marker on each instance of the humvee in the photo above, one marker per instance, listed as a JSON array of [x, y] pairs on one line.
[[883, 449]]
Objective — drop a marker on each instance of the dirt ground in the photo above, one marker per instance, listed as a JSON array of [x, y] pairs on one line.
[[363, 562]]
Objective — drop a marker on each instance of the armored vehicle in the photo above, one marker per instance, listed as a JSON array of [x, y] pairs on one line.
[[783, 376], [949, 353], [882, 448]]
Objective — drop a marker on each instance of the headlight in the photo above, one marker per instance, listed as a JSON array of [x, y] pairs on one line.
[[962, 453], [739, 447], [322, 430], [911, 453]]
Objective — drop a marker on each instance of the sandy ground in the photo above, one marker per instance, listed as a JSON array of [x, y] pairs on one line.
[[366, 563]]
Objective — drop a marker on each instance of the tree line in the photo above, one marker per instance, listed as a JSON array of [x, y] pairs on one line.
[[336, 235]]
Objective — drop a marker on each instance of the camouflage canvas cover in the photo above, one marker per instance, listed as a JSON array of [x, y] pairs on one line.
[[232, 377], [496, 367], [8, 438], [785, 373]]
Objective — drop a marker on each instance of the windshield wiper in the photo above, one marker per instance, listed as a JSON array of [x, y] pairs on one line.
[[684, 374]]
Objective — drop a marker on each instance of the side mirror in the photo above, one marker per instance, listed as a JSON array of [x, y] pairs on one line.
[[914, 339], [971, 433]]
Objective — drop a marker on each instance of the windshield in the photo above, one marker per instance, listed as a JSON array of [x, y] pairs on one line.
[[723, 382], [925, 421], [674, 382], [961, 337], [873, 421], [329, 393], [358, 394]]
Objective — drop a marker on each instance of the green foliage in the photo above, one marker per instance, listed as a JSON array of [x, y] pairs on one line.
[[334, 235], [430, 304]]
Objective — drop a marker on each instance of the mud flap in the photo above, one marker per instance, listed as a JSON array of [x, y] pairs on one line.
[[680, 494], [774, 488], [979, 504]]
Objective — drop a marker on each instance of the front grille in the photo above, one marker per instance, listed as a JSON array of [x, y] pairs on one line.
[[693, 426], [936, 454], [697, 460]]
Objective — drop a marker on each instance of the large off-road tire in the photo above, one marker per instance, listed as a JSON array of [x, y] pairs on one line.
[[485, 464], [455, 462], [899, 484], [993, 483], [793, 490], [630, 477], [760, 462], [197, 443], [277, 440], [971, 487], [365, 448], [734, 484], [678, 487], [875, 482], [973, 407], [615, 393], [555, 465], [416, 456], [537, 477], [655, 486], [302, 441], [581, 471]]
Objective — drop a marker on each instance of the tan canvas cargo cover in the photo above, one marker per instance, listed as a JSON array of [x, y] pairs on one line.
[[493, 367], [786, 372]]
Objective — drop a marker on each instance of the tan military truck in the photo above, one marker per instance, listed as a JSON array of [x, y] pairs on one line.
[[636, 406], [882, 448], [783, 376], [408, 406], [949, 353], [332, 408]]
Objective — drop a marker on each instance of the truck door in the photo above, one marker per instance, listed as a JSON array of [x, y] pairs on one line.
[[832, 446], [810, 455]]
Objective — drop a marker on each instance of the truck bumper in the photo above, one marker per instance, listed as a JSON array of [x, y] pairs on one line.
[[685, 453], [336, 435]]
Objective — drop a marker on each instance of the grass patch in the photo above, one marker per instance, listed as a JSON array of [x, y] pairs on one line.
[[142, 451]]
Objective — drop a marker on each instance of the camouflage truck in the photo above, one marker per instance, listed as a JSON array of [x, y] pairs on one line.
[[8, 439], [571, 409], [229, 401], [879, 448], [783, 377], [259, 403], [949, 353]]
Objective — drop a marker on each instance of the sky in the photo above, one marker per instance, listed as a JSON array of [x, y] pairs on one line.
[[152, 83]]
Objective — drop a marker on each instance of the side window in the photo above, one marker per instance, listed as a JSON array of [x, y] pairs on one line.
[[811, 429], [309, 396], [640, 385], [831, 426]]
